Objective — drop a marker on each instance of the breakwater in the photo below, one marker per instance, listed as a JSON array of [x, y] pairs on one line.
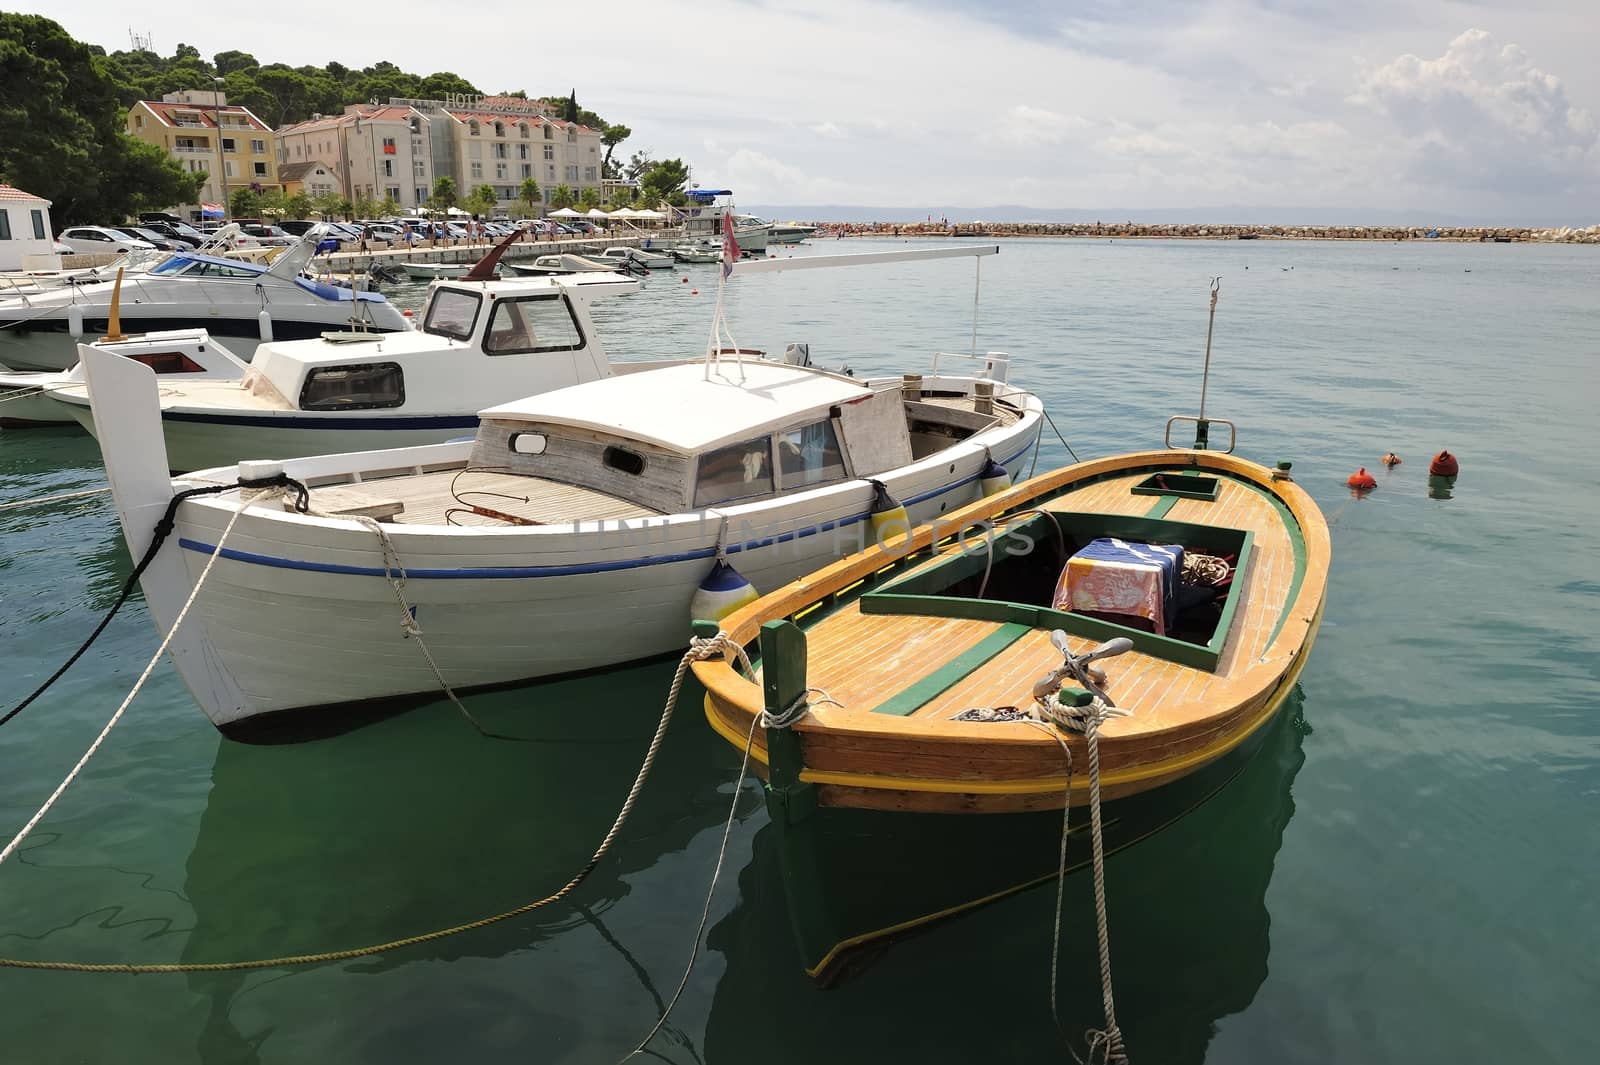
[[1186, 231]]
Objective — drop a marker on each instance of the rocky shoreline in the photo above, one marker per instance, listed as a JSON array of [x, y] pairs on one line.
[[1176, 231]]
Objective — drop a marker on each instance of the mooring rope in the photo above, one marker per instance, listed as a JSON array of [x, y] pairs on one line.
[[698, 648], [41, 501], [16, 841], [1107, 1043]]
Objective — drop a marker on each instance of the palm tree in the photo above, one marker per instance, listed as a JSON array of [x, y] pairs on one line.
[[528, 196], [561, 197]]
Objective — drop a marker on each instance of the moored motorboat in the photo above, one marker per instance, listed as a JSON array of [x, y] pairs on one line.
[[791, 232], [571, 532], [434, 271], [563, 263], [688, 253], [480, 342]]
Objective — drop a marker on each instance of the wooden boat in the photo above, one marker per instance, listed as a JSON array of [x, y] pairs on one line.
[[921, 780]]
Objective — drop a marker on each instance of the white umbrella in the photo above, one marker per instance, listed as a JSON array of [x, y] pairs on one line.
[[595, 212], [648, 214], [624, 212], [565, 212]]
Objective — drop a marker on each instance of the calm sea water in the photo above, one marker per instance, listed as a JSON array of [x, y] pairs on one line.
[[1407, 874]]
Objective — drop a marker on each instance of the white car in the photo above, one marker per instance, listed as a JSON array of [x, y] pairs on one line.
[[97, 239]]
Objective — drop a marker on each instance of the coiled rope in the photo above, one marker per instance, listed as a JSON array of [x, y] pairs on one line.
[[698, 648], [1105, 1044]]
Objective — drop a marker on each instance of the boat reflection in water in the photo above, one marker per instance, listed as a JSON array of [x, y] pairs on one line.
[[1189, 937]]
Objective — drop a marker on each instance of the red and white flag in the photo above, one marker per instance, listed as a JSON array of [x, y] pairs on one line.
[[730, 246]]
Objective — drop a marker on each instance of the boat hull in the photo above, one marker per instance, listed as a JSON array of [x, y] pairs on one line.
[[298, 612]]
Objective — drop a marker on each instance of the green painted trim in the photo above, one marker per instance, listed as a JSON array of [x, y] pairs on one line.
[[952, 671], [783, 651], [1191, 486], [1164, 504], [1297, 539]]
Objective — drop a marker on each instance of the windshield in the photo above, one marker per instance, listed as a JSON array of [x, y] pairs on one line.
[[452, 313]]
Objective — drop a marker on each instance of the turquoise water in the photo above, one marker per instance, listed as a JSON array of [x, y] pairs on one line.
[[1407, 874]]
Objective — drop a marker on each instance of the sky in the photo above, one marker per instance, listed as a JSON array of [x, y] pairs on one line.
[[1486, 109]]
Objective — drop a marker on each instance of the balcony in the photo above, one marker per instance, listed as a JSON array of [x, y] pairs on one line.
[[194, 149]]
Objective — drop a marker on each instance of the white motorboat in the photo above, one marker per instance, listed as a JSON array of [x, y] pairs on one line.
[[688, 253], [185, 354], [577, 529], [702, 220], [649, 259], [480, 343], [564, 263], [245, 302], [791, 232]]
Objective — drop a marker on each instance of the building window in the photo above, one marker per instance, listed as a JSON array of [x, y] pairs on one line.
[[227, 168], [261, 169], [527, 170], [549, 133], [418, 169], [416, 126], [297, 151], [258, 147], [499, 151], [500, 171], [589, 174], [227, 144], [38, 225], [522, 151], [422, 195], [572, 135], [138, 122], [393, 193], [551, 172], [388, 168], [499, 129], [572, 173], [5, 224], [592, 151], [477, 170], [475, 151], [472, 128], [523, 126], [388, 146], [549, 152]]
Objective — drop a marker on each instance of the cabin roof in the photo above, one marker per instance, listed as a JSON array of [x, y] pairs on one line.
[[676, 407]]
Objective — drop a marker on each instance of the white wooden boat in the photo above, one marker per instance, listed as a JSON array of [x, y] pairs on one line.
[[245, 302], [688, 253], [564, 263], [571, 532], [480, 343], [650, 260]]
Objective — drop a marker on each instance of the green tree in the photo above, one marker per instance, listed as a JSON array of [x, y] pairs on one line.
[[437, 86], [244, 203], [444, 194], [366, 206], [638, 163], [528, 195], [482, 201], [228, 62], [664, 178], [569, 109], [611, 136], [390, 207], [330, 205], [297, 206], [589, 199], [62, 132], [561, 197]]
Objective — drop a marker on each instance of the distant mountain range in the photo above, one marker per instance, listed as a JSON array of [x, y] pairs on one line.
[[1254, 216]]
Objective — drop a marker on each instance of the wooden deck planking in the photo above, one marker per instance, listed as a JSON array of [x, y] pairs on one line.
[[901, 650], [427, 496]]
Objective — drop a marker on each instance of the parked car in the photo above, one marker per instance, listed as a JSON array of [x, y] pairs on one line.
[[149, 236], [178, 231], [60, 248], [269, 236], [102, 240], [298, 227]]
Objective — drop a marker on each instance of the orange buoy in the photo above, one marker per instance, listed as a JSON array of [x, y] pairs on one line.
[[1362, 481], [1444, 464], [1391, 459]]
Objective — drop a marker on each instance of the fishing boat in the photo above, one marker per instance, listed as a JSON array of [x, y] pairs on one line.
[[246, 302], [571, 532], [481, 342], [925, 700], [688, 253]]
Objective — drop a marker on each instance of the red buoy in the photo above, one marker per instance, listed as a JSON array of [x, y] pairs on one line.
[[1362, 481], [685, 280], [1444, 464], [1390, 459]]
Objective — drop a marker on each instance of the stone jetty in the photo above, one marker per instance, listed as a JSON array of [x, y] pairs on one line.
[[1177, 231]]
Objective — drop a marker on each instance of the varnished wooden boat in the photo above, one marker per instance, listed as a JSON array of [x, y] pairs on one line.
[[890, 812]]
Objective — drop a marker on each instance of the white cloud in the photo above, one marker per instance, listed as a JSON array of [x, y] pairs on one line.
[[1033, 126], [827, 129]]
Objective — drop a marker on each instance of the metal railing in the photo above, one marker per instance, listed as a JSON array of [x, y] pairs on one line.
[[996, 364]]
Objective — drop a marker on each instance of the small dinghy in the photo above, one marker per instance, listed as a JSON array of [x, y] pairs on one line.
[[922, 711], [435, 271]]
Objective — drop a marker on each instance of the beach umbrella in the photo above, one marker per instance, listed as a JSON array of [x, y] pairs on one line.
[[624, 212], [565, 212], [595, 212]]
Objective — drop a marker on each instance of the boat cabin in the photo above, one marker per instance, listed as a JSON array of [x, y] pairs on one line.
[[477, 342], [688, 436]]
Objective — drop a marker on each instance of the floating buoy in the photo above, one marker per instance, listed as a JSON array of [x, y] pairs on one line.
[[264, 325], [1362, 481], [408, 314], [888, 516], [685, 280], [994, 478], [694, 292], [1391, 459], [1444, 464], [723, 591], [75, 321]]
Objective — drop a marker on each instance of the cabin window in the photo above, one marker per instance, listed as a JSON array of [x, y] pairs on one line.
[[535, 323], [810, 456], [38, 224], [367, 386], [452, 313], [5, 224], [735, 472], [620, 458]]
